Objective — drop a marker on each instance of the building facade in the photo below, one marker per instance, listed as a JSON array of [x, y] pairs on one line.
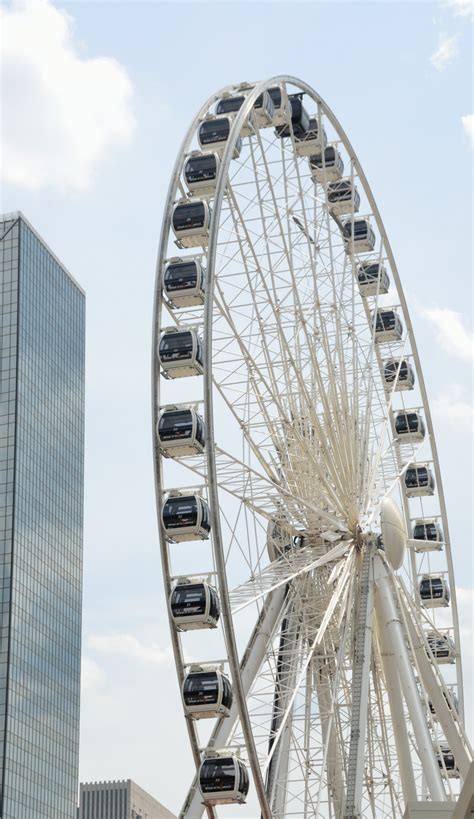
[[42, 339], [119, 800]]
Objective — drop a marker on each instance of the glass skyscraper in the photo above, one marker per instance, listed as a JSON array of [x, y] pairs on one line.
[[42, 322]]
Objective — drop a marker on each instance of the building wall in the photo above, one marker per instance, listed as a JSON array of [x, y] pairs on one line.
[[41, 495], [119, 800]]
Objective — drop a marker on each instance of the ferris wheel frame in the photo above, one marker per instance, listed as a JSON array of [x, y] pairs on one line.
[[212, 481]]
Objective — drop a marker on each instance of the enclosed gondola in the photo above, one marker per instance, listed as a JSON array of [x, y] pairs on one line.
[[299, 119], [194, 605], [388, 325], [191, 221], [207, 693], [214, 132], [427, 535], [419, 481], [343, 197], [223, 780], [434, 591], [327, 165], [399, 372], [180, 353], [441, 647], [372, 279], [180, 432], [451, 701], [358, 236], [409, 426], [200, 172], [314, 138], [447, 762], [186, 517], [281, 106], [263, 109], [184, 282]]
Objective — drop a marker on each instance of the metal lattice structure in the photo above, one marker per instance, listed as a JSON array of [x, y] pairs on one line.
[[300, 439]]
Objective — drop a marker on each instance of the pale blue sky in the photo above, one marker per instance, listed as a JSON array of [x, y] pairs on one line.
[[371, 62]]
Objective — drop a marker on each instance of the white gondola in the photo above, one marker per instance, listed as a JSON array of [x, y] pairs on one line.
[[451, 701], [206, 693], [307, 144], [194, 605], [263, 110], [184, 282], [400, 372], [223, 779], [326, 166], [434, 592], [447, 762], [185, 517], [343, 197], [191, 221], [388, 325], [180, 352], [358, 236], [409, 426], [427, 535], [441, 646], [200, 172], [372, 278], [419, 481], [180, 432], [281, 106], [214, 132], [299, 119]]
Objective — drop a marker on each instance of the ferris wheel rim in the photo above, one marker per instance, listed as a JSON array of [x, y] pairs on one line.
[[208, 324]]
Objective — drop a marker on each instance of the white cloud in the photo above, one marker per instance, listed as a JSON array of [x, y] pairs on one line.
[[453, 407], [468, 125], [446, 52], [126, 645], [62, 112], [92, 675], [451, 332], [461, 8]]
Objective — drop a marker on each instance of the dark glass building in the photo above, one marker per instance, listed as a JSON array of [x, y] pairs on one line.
[[42, 313]]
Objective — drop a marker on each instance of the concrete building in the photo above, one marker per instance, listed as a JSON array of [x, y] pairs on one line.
[[119, 800], [42, 335]]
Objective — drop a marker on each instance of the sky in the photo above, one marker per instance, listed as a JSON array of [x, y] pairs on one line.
[[96, 99]]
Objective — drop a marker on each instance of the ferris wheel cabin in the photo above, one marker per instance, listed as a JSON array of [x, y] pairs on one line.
[[441, 646], [419, 481], [409, 426], [388, 325], [263, 109], [194, 605], [358, 236], [327, 165], [200, 173], [299, 119], [206, 693], [372, 279], [281, 111], [214, 132], [434, 592], [180, 433], [180, 353], [223, 780], [343, 197], [447, 762], [184, 282], [428, 535], [451, 701], [186, 517], [306, 144], [399, 372], [191, 221]]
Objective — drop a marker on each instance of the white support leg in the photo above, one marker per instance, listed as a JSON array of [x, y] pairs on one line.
[[250, 666], [389, 621]]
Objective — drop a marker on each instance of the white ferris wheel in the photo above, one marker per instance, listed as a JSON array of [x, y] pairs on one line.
[[304, 539]]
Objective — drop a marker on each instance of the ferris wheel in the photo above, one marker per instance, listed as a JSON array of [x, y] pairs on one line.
[[304, 539]]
